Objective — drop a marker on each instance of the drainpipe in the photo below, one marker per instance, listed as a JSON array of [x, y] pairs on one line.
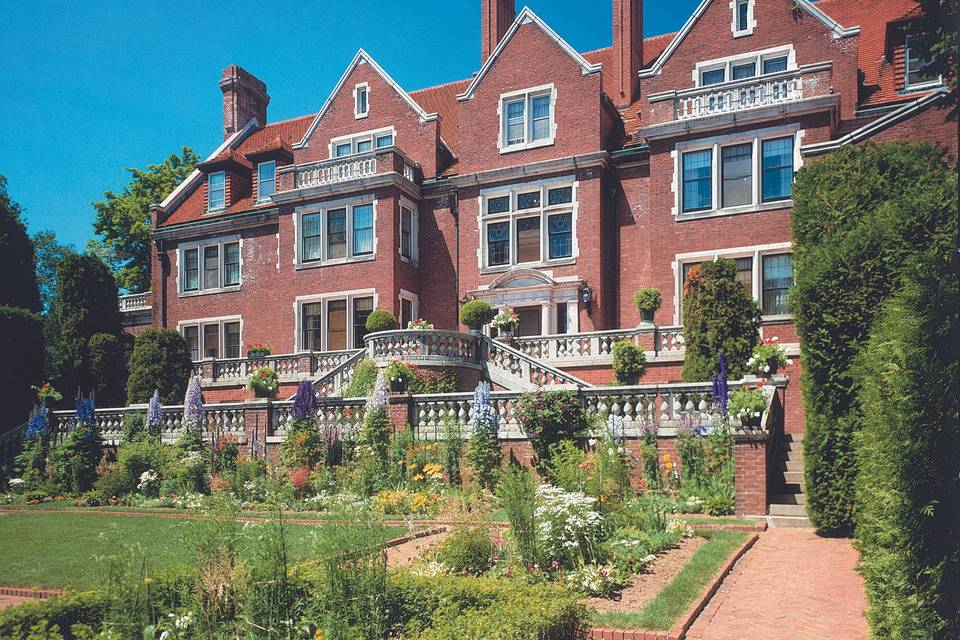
[[455, 212], [163, 263]]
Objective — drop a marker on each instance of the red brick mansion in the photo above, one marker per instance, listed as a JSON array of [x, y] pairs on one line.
[[552, 181]]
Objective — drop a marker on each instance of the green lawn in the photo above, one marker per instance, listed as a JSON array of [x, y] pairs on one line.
[[676, 597], [62, 550], [695, 520]]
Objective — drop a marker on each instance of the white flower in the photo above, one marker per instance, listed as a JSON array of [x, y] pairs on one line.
[[774, 339], [789, 362], [16, 481], [766, 369]]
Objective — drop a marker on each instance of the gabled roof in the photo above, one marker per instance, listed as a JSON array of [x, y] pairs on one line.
[[442, 99], [831, 24], [363, 57], [526, 16]]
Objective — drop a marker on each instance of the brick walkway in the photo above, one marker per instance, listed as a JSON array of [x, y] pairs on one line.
[[792, 584]]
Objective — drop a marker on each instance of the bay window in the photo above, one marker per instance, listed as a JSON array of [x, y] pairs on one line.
[[210, 266], [333, 322], [519, 229], [527, 118], [335, 232], [213, 338]]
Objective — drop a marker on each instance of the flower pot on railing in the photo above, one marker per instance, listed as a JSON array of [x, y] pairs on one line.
[[398, 384], [772, 365], [505, 336], [646, 315]]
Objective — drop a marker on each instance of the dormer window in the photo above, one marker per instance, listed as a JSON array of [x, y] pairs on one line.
[[743, 22], [916, 56], [361, 104], [216, 191], [363, 142], [266, 180], [527, 118]]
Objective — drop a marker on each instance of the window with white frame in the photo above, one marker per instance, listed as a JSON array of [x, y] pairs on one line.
[[527, 118], [210, 266], [216, 191], [409, 231], [743, 22], [766, 271], [741, 67], [736, 173], [266, 180], [528, 224], [916, 57], [335, 232], [363, 142], [409, 308], [212, 338], [361, 100], [333, 322]]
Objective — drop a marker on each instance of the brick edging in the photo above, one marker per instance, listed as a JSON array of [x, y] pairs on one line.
[[416, 535], [679, 630], [27, 592]]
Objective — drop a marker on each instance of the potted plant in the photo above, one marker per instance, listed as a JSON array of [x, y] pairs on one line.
[[419, 325], [398, 375], [767, 358], [748, 405], [506, 322], [647, 300], [475, 314], [258, 351], [264, 382]]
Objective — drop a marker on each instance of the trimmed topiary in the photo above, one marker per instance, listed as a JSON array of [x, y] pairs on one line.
[[381, 320], [629, 362], [476, 313], [647, 301], [860, 214], [719, 317]]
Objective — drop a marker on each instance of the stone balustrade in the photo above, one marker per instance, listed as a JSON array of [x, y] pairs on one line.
[[428, 346], [136, 302], [531, 372], [290, 367], [738, 95], [336, 171], [598, 345]]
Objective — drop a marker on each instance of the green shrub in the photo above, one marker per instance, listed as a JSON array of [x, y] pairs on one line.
[[364, 375], [21, 341], [452, 449], [133, 425], [907, 521], [141, 454], [74, 461], [476, 313], [859, 216], [108, 369], [629, 362], [302, 445], [719, 317], [517, 492], [563, 469], [381, 320], [87, 608], [468, 551], [647, 299], [160, 360], [547, 417]]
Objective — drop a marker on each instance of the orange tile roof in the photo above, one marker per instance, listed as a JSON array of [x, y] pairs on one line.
[[442, 99]]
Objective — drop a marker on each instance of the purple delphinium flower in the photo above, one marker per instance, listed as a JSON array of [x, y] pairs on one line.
[[720, 389], [86, 409], [483, 417], [193, 406], [378, 399], [154, 412], [37, 426], [305, 402]]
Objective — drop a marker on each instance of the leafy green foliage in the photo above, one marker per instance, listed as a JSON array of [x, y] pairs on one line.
[[49, 252], [19, 285], [74, 461], [21, 342], [629, 362], [364, 376], [381, 320], [86, 304], [859, 216], [476, 313], [547, 417], [302, 445], [123, 219], [647, 299], [517, 491], [937, 23], [468, 551], [108, 368], [719, 317], [160, 360], [907, 523]]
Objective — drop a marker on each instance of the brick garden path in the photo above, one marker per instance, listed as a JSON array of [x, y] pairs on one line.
[[791, 584]]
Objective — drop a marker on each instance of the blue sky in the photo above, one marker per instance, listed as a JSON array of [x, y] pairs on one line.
[[92, 88]]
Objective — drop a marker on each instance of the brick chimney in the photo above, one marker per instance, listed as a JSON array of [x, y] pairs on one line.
[[244, 97], [496, 16], [627, 53]]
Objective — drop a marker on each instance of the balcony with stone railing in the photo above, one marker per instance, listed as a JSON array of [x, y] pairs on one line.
[[136, 302], [341, 173], [596, 347], [290, 367]]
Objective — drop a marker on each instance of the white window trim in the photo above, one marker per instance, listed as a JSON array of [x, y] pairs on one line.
[[406, 203], [715, 143], [325, 299], [221, 335], [210, 207], [920, 86], [735, 23], [260, 198], [414, 301], [363, 136], [755, 251], [356, 90], [527, 95], [757, 57], [199, 246], [323, 208], [544, 211]]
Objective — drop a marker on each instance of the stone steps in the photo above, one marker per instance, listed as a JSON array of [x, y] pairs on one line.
[[786, 504], [795, 510], [788, 498], [788, 521]]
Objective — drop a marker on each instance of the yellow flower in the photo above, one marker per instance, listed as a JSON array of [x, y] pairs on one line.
[[318, 635], [666, 457], [668, 466]]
